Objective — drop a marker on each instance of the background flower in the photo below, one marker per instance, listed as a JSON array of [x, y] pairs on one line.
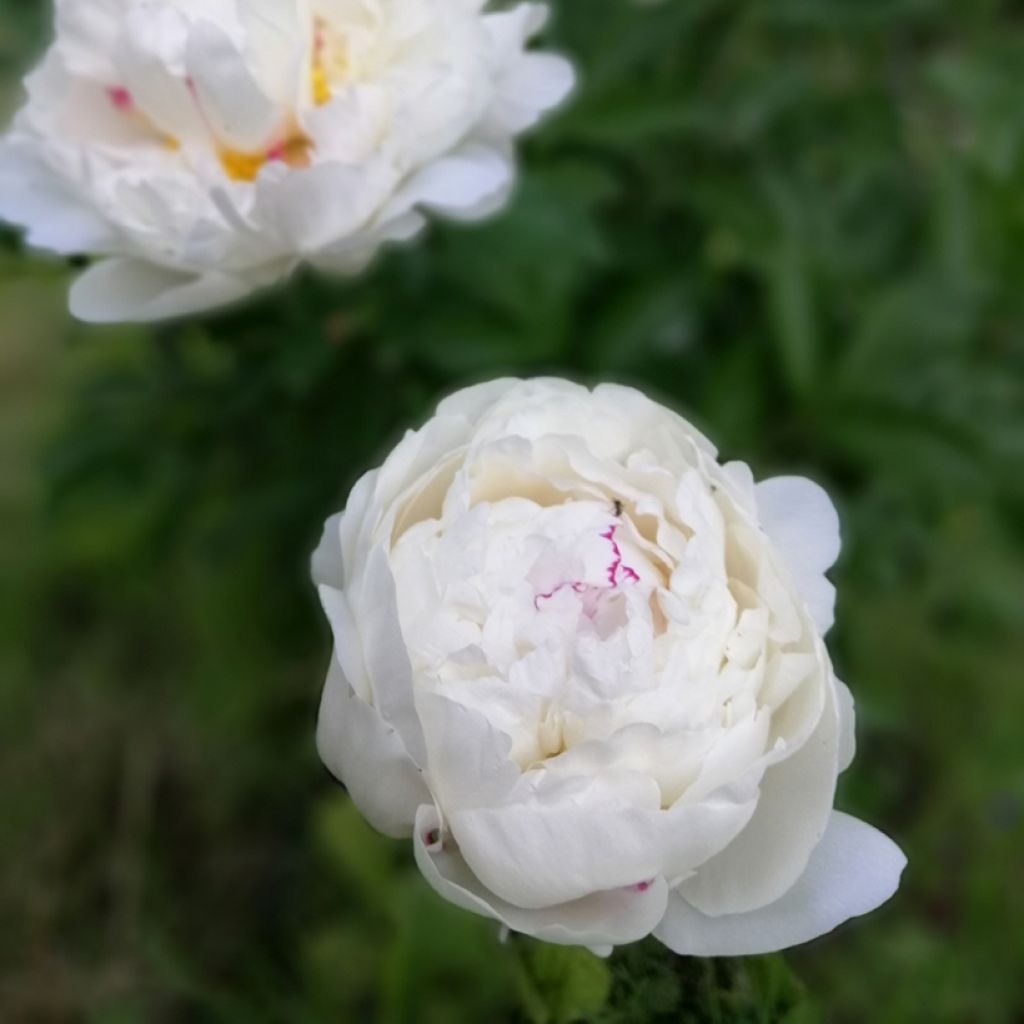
[[581, 663], [208, 148]]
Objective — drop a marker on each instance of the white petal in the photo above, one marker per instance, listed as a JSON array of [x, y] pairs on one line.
[[803, 524], [367, 755], [235, 106], [853, 870], [552, 847], [117, 290], [87, 33], [602, 919], [348, 647], [467, 757], [276, 42], [354, 254], [387, 660], [356, 524], [770, 854], [694, 833], [150, 59], [534, 85], [460, 184], [847, 724], [32, 197], [472, 402], [310, 208], [327, 566]]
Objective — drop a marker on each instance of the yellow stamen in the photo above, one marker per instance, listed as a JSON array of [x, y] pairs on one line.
[[321, 87], [329, 63], [293, 151], [241, 166]]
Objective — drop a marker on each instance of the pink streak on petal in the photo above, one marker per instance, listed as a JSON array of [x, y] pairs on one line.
[[615, 572], [577, 587], [616, 566]]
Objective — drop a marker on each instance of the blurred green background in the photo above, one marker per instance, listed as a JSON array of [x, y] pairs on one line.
[[801, 221]]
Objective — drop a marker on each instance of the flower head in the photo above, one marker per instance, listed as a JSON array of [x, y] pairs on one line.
[[581, 662], [207, 148]]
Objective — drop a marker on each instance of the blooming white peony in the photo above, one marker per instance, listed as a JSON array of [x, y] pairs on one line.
[[207, 147], [581, 662]]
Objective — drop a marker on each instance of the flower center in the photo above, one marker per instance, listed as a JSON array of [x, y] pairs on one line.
[[294, 151], [329, 65], [617, 572]]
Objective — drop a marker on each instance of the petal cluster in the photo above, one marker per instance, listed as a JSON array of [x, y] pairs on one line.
[[207, 148], [581, 662]]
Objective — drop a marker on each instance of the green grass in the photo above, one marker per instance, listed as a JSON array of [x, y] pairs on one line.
[[802, 222]]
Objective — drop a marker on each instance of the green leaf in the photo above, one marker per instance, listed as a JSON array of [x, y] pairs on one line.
[[561, 984]]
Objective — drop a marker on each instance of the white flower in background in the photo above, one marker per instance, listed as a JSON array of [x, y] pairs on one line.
[[207, 147], [581, 662]]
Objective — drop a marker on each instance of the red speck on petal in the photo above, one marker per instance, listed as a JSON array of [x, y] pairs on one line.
[[641, 886], [120, 97]]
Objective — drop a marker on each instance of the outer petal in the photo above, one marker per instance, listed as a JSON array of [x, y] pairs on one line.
[[601, 919], [770, 854], [375, 608], [473, 402], [468, 758], [348, 647], [529, 84], [560, 844], [534, 85], [310, 208], [465, 184], [327, 566], [87, 33], [847, 724], [802, 522], [126, 289], [853, 870], [368, 756], [694, 833], [31, 196]]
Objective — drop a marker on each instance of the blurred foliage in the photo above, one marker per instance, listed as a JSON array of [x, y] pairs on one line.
[[801, 221]]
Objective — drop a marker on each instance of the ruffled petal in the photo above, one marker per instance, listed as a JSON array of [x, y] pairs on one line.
[[368, 757], [239, 112], [853, 870], [770, 854], [802, 522], [601, 919], [125, 289], [566, 841]]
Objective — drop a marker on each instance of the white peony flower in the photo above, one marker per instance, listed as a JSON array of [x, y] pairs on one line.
[[207, 147], [581, 662]]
